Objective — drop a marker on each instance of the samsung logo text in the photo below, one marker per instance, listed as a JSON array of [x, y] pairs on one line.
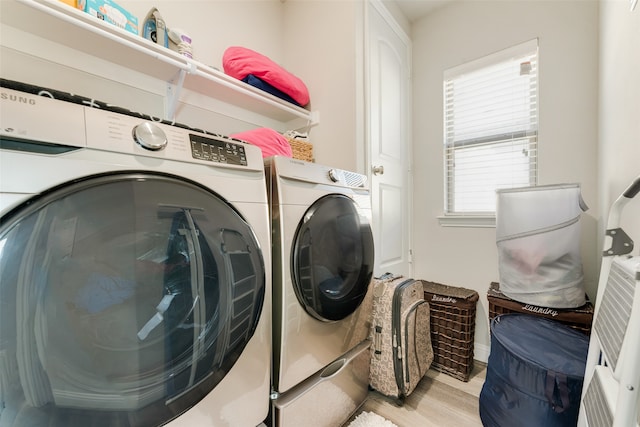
[[17, 98]]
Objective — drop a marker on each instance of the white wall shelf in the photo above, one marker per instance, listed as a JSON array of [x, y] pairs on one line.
[[57, 22]]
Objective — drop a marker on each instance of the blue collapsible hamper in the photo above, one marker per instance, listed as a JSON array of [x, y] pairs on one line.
[[534, 374]]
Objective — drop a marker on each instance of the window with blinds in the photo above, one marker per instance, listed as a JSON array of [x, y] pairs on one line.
[[491, 128]]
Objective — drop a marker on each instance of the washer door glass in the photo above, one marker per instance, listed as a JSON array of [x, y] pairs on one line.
[[124, 299], [332, 258]]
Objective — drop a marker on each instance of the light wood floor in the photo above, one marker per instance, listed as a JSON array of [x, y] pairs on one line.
[[438, 401]]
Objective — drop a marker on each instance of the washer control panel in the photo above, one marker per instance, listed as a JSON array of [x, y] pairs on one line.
[[219, 151], [61, 124]]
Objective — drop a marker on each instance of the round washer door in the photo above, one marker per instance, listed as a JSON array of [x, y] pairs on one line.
[[124, 299], [332, 258]]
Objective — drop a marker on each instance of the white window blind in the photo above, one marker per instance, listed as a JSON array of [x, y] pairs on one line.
[[491, 128]]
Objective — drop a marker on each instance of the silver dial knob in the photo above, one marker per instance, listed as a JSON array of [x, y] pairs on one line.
[[150, 136], [333, 175]]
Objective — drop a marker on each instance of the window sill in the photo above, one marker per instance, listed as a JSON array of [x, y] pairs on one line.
[[475, 221]]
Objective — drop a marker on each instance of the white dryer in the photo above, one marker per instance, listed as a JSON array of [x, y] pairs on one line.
[[323, 254], [135, 271]]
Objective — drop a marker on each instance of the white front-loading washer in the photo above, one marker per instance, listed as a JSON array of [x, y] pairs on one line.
[[323, 254], [135, 271]]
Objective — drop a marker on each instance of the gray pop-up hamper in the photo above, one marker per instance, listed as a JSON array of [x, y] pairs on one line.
[[535, 373], [538, 240]]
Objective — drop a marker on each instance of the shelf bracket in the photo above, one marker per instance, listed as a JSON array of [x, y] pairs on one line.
[[174, 87], [305, 126]]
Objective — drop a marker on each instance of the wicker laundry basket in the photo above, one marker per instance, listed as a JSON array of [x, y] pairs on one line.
[[302, 150], [453, 325]]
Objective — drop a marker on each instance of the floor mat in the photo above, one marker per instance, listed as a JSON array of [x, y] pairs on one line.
[[369, 419]]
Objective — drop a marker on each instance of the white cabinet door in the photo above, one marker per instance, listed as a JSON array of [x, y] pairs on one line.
[[389, 135]]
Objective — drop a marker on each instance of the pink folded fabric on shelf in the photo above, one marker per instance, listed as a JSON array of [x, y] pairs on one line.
[[239, 62], [270, 142]]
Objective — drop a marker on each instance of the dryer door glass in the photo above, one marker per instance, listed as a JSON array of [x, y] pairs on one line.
[[124, 299], [332, 258]]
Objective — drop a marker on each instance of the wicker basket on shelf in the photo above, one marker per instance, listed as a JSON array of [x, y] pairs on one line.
[[579, 318], [302, 150]]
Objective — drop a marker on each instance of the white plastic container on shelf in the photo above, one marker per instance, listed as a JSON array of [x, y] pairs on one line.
[[538, 240]]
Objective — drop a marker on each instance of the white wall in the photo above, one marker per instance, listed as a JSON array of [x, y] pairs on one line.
[[568, 114], [619, 136], [323, 43]]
